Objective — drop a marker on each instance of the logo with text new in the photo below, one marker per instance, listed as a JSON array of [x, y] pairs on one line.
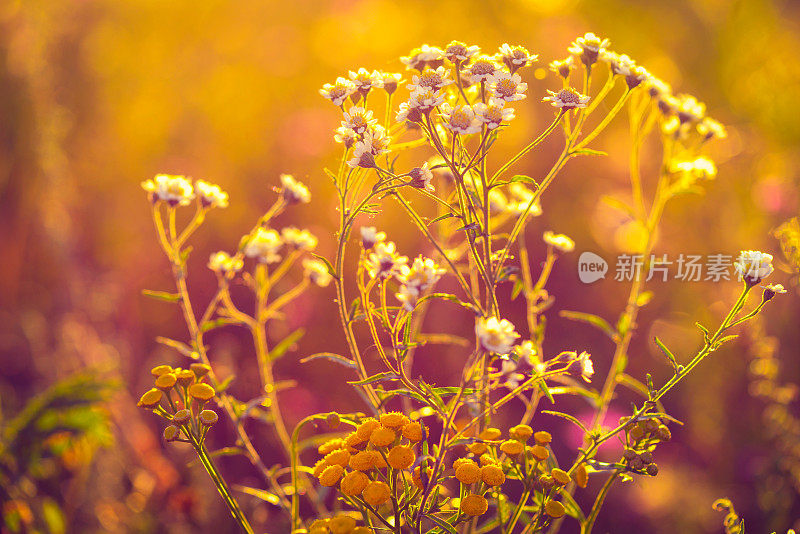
[[591, 267]]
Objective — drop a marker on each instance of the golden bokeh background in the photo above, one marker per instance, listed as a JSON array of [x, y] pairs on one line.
[[98, 95]]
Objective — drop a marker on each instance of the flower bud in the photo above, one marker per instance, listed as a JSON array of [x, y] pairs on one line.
[[555, 509], [542, 437], [208, 417], [201, 392], [171, 433], [150, 399], [200, 370], [181, 417], [160, 370], [166, 381], [185, 378], [333, 420]]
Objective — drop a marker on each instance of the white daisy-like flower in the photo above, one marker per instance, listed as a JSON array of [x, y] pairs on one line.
[[494, 113], [708, 128], [658, 88], [507, 87], [370, 236], [364, 80], [211, 195], [482, 68], [753, 266], [498, 203], [559, 241], [424, 56], [293, 191], [346, 136], [339, 91], [421, 178], [771, 290], [588, 48], [317, 272], [422, 274], [409, 112], [433, 79], [299, 239], [523, 197], [689, 110], [390, 81], [586, 366], [624, 66], [563, 67], [264, 246], [457, 52], [460, 119], [362, 155], [384, 261], [495, 335], [526, 351], [222, 262], [358, 119], [172, 189], [377, 138], [515, 57], [701, 167], [408, 297], [508, 369], [425, 99], [567, 99]]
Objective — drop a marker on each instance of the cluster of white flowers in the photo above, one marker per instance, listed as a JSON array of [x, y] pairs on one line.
[[496, 335], [293, 191], [414, 280], [265, 243], [222, 262], [753, 266], [559, 241], [316, 271]]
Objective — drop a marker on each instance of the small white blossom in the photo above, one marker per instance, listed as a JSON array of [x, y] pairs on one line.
[[384, 261], [507, 87], [567, 99], [364, 80], [358, 119], [457, 52], [482, 69], [175, 190], [421, 178], [496, 335], [294, 191], [563, 67], [362, 155], [370, 236], [264, 246], [430, 79], [709, 128], [346, 136], [588, 48], [390, 81], [587, 369], [424, 56], [689, 110], [339, 91], [515, 57], [299, 239], [211, 195], [222, 262], [701, 167], [753, 266], [494, 113], [460, 119], [317, 272], [559, 241], [523, 197]]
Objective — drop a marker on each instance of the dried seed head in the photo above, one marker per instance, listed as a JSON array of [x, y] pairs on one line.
[[171, 433], [185, 377], [208, 417], [150, 399], [200, 369], [182, 417], [652, 470]]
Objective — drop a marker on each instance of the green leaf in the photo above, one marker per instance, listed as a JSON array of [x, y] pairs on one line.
[[442, 217], [442, 524], [162, 295], [573, 510], [181, 347], [259, 493], [218, 323], [225, 384], [667, 352], [323, 259], [589, 318], [341, 360], [644, 298], [546, 390], [281, 348], [374, 378], [519, 285], [524, 179], [568, 417], [53, 516]]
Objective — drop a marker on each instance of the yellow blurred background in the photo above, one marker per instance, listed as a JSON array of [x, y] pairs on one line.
[[98, 95]]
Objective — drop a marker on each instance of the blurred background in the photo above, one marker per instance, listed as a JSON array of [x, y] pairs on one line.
[[98, 95]]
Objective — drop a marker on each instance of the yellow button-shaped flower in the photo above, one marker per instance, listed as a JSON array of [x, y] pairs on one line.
[[150, 399], [382, 437], [468, 472], [354, 483], [474, 505], [401, 457], [376, 493], [555, 509], [201, 392], [330, 475], [492, 475]]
